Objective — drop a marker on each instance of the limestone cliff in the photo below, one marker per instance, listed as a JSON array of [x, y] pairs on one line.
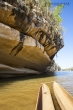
[[27, 40]]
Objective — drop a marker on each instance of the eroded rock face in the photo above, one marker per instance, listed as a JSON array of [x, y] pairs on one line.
[[15, 48], [21, 51]]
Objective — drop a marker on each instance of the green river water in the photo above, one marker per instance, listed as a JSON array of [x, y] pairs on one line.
[[21, 93]]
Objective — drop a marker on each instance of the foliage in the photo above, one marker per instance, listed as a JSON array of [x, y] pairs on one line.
[[44, 4], [57, 12]]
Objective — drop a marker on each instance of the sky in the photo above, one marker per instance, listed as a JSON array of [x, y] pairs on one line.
[[65, 56]]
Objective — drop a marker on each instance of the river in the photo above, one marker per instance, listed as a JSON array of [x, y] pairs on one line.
[[20, 93]]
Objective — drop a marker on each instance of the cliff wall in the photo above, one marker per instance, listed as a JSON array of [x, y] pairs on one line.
[[27, 40]]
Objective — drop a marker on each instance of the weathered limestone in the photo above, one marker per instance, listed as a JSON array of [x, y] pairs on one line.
[[30, 56], [32, 45], [16, 18]]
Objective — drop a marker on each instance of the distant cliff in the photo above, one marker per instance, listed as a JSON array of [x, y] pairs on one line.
[[53, 67], [68, 69]]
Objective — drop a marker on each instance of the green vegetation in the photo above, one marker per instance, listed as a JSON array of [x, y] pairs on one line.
[[57, 12], [45, 4]]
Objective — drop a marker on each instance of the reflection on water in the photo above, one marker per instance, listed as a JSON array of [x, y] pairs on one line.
[[21, 93]]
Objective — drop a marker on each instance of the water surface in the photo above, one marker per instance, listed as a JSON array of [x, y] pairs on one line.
[[20, 93]]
